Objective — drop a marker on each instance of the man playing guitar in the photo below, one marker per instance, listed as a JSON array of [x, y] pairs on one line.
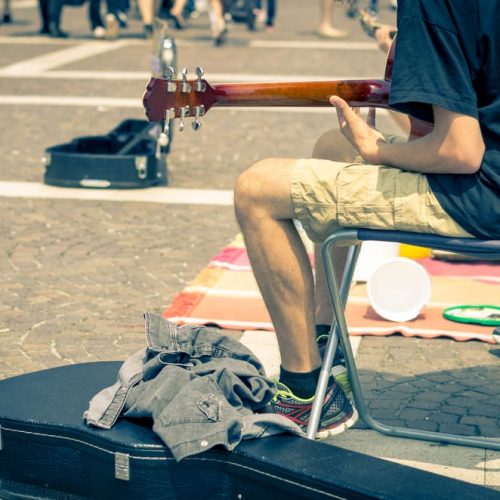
[[446, 182]]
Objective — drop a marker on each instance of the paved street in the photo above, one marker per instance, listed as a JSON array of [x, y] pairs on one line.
[[77, 274]]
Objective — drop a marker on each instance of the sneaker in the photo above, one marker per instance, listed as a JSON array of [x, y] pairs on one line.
[[148, 31], [99, 32], [339, 369], [337, 414], [122, 19], [112, 26]]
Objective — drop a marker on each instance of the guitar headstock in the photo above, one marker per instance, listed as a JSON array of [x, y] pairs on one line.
[[168, 98]]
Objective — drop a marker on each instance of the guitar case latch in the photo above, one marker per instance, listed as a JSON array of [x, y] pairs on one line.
[[122, 466]]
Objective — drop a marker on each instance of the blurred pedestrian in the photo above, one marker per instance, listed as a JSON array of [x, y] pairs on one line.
[[325, 28], [266, 16], [95, 19], [148, 9], [373, 7], [43, 7], [218, 26], [177, 14], [50, 17], [7, 16], [114, 18]]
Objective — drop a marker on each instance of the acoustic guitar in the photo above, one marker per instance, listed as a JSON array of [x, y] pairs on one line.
[[169, 98]]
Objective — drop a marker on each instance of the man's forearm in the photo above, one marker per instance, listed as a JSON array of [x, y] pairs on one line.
[[420, 155], [455, 145], [433, 154]]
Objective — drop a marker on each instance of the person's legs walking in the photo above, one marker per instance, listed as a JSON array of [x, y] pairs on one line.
[[217, 22], [43, 7], [95, 19], [112, 19], [55, 11], [147, 9], [7, 15], [325, 29]]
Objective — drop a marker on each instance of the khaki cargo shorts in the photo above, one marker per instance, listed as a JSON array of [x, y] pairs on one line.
[[330, 195]]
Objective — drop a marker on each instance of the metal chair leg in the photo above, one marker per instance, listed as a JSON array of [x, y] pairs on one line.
[[341, 329], [331, 345]]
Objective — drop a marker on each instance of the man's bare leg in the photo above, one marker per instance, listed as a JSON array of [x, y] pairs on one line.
[[282, 269], [279, 259]]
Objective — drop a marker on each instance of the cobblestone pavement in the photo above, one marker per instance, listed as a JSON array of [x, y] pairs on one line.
[[437, 385], [76, 276]]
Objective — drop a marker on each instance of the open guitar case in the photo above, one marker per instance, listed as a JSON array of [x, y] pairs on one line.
[[47, 451]]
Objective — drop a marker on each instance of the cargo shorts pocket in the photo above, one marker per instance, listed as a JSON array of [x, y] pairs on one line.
[[366, 196]]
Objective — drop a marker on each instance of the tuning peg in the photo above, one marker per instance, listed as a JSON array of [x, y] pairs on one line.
[[184, 113], [170, 75], [169, 115], [164, 136], [185, 87], [199, 85], [163, 139], [198, 112]]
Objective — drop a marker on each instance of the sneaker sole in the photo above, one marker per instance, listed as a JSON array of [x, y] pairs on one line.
[[340, 428]]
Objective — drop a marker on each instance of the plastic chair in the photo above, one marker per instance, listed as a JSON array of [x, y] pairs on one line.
[[482, 249]]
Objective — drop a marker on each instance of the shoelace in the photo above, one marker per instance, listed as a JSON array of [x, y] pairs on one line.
[[280, 392], [285, 392]]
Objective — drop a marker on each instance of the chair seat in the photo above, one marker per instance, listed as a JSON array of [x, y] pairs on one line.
[[484, 249]]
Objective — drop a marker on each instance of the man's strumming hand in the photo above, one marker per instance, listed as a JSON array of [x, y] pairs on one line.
[[361, 135]]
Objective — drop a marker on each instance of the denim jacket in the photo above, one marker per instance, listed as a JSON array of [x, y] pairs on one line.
[[200, 388]]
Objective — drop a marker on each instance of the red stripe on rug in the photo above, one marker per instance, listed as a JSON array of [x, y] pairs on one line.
[[225, 294], [472, 269], [250, 313]]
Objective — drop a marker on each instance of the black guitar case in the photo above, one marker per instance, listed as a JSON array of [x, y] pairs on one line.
[[47, 451], [128, 157]]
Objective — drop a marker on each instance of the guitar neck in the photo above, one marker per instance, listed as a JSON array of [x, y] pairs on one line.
[[307, 94]]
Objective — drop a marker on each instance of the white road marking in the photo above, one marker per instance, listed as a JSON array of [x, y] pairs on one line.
[[24, 4], [312, 45], [43, 100], [36, 65], [37, 40], [165, 195], [212, 78], [256, 44]]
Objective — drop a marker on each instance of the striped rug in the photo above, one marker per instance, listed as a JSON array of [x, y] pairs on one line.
[[226, 295]]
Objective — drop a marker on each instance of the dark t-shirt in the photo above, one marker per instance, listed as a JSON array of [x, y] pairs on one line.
[[448, 54]]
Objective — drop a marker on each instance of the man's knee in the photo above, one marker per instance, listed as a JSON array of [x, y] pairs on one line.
[[332, 145], [249, 187], [264, 190]]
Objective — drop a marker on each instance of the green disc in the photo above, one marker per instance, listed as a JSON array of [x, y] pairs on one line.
[[483, 314]]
